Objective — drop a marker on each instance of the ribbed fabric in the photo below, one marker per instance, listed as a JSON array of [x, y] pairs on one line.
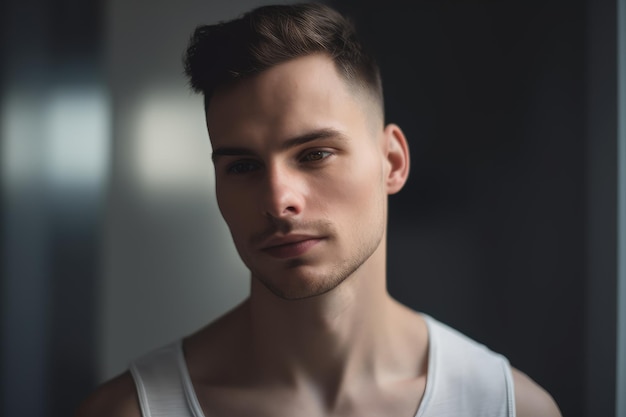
[[465, 379], [163, 384]]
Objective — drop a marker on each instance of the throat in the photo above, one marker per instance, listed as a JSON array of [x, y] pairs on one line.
[[329, 346]]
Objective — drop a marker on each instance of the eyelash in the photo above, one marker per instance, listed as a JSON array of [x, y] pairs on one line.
[[235, 167], [325, 154]]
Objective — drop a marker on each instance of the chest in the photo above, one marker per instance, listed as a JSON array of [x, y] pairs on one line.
[[398, 399]]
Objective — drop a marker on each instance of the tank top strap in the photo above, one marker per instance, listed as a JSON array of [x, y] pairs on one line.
[[465, 378], [163, 384]]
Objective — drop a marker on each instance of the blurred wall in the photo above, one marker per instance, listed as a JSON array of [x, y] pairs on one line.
[[54, 132]]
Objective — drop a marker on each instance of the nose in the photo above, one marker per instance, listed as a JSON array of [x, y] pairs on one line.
[[283, 193]]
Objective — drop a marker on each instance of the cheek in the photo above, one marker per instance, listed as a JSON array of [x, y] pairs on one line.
[[222, 203], [231, 208], [353, 192]]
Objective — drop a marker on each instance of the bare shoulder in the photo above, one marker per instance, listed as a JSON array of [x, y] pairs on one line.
[[531, 400], [116, 397]]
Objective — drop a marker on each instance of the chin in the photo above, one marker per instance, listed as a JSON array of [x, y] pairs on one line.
[[302, 282]]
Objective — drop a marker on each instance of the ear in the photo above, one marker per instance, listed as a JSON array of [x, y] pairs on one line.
[[398, 158]]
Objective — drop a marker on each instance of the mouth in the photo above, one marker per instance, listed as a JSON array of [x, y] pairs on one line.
[[291, 247]]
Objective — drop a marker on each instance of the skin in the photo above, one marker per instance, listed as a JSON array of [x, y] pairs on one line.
[[284, 176], [304, 166]]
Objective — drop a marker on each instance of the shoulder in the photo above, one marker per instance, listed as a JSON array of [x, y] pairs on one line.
[[531, 400], [480, 369], [116, 397]]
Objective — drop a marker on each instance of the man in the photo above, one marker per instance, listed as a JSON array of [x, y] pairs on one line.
[[304, 164]]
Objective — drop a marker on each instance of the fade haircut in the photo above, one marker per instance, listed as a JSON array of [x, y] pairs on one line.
[[219, 55]]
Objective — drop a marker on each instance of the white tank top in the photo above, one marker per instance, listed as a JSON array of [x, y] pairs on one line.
[[465, 379]]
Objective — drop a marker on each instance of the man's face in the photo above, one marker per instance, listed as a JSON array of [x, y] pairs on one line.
[[300, 168]]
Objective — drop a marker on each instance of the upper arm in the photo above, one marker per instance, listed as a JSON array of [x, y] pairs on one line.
[[531, 400], [117, 397]]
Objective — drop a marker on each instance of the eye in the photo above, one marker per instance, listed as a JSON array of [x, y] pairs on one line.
[[242, 167], [316, 156]]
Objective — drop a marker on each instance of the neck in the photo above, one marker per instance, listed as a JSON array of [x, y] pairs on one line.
[[326, 339], [332, 348]]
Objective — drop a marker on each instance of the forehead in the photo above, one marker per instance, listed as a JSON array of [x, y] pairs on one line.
[[286, 100]]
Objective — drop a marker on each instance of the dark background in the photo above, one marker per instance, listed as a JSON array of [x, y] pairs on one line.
[[506, 229]]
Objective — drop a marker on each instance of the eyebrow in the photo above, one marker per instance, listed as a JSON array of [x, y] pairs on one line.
[[314, 135]]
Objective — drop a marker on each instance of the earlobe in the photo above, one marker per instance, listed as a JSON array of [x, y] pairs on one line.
[[398, 158]]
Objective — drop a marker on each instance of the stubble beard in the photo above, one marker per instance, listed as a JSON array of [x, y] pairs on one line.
[[324, 281]]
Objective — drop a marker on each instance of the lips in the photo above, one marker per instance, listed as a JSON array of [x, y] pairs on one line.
[[290, 246]]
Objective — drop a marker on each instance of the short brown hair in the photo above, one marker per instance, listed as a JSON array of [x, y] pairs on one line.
[[218, 55]]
